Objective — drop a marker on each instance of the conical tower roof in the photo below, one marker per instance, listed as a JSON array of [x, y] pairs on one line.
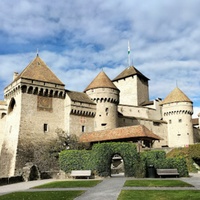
[[38, 70], [101, 81], [130, 71], [176, 96]]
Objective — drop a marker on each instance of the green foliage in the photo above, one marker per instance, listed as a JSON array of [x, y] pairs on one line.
[[75, 160], [159, 161], [152, 156], [100, 157], [140, 169], [104, 152], [194, 151]]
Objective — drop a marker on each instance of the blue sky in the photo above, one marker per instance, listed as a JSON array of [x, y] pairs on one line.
[[78, 38]]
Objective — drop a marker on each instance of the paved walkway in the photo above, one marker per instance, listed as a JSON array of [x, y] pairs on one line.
[[108, 189]]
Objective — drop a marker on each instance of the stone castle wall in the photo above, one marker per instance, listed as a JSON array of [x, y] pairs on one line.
[[133, 90], [40, 117], [106, 100], [179, 118], [12, 127]]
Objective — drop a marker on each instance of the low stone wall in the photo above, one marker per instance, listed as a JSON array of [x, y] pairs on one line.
[[11, 180]]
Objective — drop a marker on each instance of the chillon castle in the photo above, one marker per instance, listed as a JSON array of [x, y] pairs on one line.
[[36, 103]]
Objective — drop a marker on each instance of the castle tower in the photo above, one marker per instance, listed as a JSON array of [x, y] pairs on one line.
[[35, 102], [177, 111], [106, 96], [133, 86]]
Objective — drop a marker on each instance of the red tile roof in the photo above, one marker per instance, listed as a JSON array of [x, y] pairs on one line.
[[128, 132]]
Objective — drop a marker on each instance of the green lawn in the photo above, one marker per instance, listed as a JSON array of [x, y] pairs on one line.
[[70, 184], [159, 195], [51, 195], [156, 183]]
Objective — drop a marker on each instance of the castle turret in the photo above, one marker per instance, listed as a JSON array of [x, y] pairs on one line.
[[35, 102], [177, 111], [133, 86], [106, 96]]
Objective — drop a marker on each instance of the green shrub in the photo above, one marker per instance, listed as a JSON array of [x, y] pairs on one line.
[[159, 161], [100, 158], [75, 160], [104, 152], [140, 169], [194, 151]]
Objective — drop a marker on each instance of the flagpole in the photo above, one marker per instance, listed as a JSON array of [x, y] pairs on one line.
[[129, 54]]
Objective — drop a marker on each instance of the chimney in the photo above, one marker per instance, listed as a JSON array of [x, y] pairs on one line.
[[15, 75]]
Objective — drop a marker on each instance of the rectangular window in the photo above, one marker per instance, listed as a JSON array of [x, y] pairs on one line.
[[10, 130], [83, 129], [45, 127], [104, 124], [156, 123], [170, 121]]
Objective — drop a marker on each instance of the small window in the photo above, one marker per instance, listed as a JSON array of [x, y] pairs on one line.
[[11, 105], [180, 120], [45, 127], [156, 123], [2, 115], [106, 110], [10, 130], [104, 124], [83, 129], [170, 121], [179, 134]]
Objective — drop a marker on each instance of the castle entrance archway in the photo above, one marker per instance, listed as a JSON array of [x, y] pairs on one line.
[[117, 165], [124, 152]]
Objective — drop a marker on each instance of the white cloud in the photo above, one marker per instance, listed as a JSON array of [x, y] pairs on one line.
[[78, 38]]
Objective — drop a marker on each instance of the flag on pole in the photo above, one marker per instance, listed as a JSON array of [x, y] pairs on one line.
[[129, 51], [129, 48]]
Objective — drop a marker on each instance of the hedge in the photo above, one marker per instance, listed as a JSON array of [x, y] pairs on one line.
[[159, 161], [100, 157], [104, 152], [75, 160]]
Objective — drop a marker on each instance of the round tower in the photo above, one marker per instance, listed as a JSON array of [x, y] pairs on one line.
[[106, 96], [177, 111]]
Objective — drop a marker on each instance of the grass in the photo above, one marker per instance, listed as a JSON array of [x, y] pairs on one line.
[[69, 184], [159, 195], [50, 195], [156, 183]]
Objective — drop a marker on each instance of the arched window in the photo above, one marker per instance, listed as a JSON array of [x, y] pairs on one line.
[[11, 105]]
